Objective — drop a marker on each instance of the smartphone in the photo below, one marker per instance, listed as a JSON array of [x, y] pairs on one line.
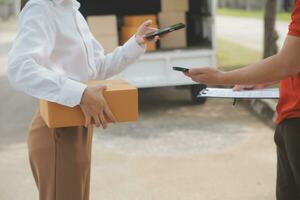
[[169, 29], [181, 69]]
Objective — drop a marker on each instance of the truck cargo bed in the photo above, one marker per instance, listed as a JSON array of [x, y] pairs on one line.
[[155, 69]]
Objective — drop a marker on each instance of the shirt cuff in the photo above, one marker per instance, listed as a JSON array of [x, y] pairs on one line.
[[133, 49], [71, 93]]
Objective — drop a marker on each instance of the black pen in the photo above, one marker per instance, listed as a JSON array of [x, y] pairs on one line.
[[234, 102]]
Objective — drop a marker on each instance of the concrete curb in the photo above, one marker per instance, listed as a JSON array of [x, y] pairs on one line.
[[264, 109]]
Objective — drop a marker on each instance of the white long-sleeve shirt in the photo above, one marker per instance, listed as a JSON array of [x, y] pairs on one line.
[[54, 51]]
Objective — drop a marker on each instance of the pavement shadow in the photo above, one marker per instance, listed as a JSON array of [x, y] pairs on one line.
[[164, 98]]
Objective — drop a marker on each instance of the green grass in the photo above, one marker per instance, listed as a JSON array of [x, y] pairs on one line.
[[281, 16], [232, 56], [2, 2]]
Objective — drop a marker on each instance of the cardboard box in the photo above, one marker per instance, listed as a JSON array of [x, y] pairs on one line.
[[175, 5], [128, 32], [121, 97], [176, 39], [109, 43], [103, 25], [151, 47], [137, 20]]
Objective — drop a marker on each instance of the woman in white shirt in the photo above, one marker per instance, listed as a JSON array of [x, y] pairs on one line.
[[53, 53]]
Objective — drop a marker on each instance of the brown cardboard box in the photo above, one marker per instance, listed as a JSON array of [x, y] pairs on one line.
[[137, 20], [121, 97], [109, 43], [151, 47], [103, 25], [128, 32], [176, 39], [131, 25], [175, 5]]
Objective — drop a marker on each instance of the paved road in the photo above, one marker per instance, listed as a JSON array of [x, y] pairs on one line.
[[176, 151], [247, 31], [7, 35]]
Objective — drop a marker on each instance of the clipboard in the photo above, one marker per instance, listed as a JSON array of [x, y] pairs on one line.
[[228, 93]]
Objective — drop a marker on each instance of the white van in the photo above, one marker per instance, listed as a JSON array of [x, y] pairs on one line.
[[154, 69]]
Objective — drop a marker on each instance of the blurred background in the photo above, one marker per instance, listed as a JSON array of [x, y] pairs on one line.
[[182, 147]]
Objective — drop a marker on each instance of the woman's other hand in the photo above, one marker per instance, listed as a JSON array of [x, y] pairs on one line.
[[143, 30], [94, 107]]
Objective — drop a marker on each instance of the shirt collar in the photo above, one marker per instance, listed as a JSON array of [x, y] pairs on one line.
[[76, 4], [58, 1]]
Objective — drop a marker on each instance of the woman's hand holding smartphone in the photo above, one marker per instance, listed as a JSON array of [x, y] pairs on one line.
[[146, 33], [143, 30]]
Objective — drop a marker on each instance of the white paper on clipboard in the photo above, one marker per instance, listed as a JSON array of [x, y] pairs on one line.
[[270, 93]]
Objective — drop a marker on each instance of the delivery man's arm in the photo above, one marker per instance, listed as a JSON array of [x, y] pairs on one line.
[[284, 64]]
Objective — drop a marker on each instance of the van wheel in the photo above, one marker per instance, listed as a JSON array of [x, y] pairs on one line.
[[195, 89]]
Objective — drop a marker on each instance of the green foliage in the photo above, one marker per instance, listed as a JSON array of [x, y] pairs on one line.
[[232, 56], [3, 2], [281, 16]]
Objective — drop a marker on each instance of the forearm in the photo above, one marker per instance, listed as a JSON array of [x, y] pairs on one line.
[[271, 83], [116, 61], [269, 70], [284, 64]]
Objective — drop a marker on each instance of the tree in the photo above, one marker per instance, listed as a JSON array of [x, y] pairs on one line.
[[270, 36]]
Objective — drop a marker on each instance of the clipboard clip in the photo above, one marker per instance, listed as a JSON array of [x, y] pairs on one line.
[[203, 91]]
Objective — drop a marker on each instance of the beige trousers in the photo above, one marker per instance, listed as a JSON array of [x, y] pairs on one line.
[[60, 160]]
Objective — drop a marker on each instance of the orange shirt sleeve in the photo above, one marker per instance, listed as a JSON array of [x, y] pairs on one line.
[[294, 28]]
